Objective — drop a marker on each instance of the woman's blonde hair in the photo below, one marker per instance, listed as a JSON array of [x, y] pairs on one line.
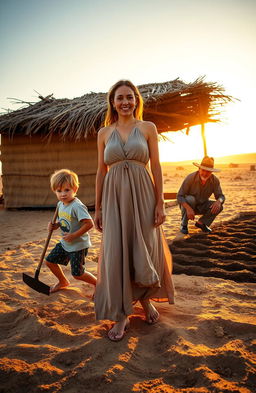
[[61, 176], [111, 115]]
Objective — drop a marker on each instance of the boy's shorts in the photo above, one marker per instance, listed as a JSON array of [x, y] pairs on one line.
[[62, 257]]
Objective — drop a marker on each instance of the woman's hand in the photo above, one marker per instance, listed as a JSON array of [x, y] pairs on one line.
[[98, 220], [160, 215]]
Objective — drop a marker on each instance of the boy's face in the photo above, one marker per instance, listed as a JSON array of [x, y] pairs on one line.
[[65, 193]]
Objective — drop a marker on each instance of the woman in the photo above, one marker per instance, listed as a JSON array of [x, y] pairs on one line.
[[135, 261]]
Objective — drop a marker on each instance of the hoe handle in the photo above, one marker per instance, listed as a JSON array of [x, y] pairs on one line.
[[46, 244]]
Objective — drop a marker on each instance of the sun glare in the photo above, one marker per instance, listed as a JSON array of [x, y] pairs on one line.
[[181, 147], [235, 134], [221, 139]]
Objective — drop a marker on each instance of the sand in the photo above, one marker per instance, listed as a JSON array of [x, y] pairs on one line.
[[206, 342]]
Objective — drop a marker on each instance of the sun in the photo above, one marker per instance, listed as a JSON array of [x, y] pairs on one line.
[[221, 140], [235, 134], [181, 147]]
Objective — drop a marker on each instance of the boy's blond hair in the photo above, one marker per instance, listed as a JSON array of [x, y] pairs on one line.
[[58, 178]]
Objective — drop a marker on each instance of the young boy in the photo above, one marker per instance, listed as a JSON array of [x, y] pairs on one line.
[[74, 222]]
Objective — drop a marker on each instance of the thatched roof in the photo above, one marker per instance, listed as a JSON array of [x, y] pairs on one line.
[[172, 106]]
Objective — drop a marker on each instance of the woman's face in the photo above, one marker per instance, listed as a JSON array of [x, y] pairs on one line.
[[124, 101]]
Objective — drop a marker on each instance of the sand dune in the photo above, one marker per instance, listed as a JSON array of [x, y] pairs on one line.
[[204, 343]]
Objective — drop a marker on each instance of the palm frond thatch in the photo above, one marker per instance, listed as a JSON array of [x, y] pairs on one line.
[[172, 106]]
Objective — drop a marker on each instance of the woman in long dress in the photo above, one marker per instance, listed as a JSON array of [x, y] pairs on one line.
[[135, 262]]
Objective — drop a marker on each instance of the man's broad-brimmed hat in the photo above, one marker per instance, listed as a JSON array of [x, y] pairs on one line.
[[207, 164]]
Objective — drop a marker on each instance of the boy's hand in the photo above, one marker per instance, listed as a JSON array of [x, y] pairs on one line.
[[69, 237], [53, 227]]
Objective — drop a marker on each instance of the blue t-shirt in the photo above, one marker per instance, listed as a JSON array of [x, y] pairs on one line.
[[69, 217]]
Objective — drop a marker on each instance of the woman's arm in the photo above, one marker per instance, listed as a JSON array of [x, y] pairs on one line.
[[152, 138], [101, 173]]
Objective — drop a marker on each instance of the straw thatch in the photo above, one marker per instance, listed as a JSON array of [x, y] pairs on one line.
[[56, 133], [172, 106]]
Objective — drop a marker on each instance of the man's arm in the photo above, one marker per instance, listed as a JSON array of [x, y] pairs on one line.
[[183, 191], [219, 196]]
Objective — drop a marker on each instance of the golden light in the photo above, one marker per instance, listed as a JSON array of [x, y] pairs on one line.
[[222, 139], [235, 134], [181, 147]]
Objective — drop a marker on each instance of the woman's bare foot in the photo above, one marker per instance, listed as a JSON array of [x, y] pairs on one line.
[[59, 285], [151, 313], [117, 332]]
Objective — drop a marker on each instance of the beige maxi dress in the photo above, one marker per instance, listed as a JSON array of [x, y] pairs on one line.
[[135, 261]]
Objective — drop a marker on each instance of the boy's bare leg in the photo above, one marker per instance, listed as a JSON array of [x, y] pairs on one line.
[[87, 277], [57, 271]]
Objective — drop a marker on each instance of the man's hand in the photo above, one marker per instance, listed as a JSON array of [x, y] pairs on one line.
[[215, 208], [190, 213]]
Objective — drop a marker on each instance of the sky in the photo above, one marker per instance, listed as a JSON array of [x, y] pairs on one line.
[[70, 48]]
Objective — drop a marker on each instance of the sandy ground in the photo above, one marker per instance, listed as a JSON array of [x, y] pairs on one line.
[[206, 342]]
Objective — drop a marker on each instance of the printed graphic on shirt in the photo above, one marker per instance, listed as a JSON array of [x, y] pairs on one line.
[[64, 225], [64, 220]]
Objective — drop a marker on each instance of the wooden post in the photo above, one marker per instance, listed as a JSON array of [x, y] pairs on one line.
[[203, 115], [203, 138]]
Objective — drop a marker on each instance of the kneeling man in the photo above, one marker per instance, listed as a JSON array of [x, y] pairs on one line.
[[194, 193]]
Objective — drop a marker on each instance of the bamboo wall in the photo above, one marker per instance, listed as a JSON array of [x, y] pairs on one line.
[[28, 162]]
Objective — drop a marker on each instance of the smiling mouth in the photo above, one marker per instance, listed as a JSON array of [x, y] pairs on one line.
[[126, 108]]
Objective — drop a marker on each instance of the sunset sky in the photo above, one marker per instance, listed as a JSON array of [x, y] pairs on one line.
[[70, 48]]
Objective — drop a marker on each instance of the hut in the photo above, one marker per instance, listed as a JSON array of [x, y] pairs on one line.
[[57, 133]]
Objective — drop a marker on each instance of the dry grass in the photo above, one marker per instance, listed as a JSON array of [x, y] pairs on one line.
[[172, 106]]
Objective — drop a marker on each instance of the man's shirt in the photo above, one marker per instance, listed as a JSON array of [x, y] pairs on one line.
[[192, 185]]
